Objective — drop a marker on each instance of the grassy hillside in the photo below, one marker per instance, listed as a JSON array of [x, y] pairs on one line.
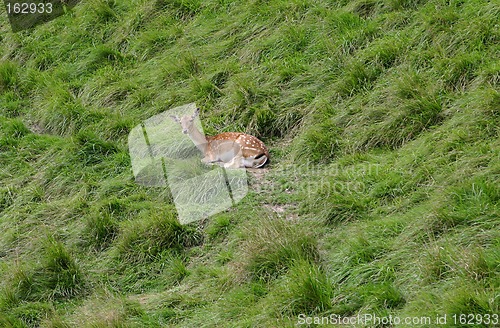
[[382, 197]]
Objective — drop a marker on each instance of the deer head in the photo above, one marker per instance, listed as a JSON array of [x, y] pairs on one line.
[[186, 121]]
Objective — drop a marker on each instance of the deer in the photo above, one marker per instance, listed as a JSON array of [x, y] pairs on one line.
[[227, 149]]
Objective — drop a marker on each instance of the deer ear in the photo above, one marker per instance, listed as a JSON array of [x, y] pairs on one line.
[[175, 118], [196, 113]]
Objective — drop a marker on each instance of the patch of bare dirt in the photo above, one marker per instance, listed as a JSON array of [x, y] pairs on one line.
[[284, 211], [36, 128]]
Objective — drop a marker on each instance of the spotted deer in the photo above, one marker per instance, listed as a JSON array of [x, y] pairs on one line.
[[228, 149]]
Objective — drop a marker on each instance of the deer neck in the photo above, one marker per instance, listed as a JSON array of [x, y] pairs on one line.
[[199, 139]]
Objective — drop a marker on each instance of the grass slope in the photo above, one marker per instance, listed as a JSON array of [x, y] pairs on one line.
[[383, 120]]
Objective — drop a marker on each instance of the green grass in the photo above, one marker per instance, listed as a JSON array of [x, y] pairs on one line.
[[273, 246], [382, 118]]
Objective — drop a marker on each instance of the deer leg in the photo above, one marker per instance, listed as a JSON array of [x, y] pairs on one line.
[[236, 162], [210, 159]]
